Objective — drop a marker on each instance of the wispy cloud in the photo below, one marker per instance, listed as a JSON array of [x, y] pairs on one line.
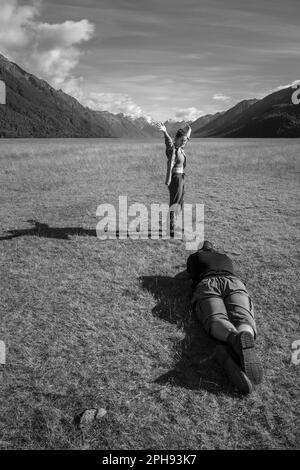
[[293, 84], [114, 103], [188, 114], [49, 50], [221, 97]]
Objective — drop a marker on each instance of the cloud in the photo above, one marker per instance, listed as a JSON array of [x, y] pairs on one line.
[[221, 97], [294, 84], [188, 114], [73, 86], [48, 50], [51, 51], [114, 103], [16, 24]]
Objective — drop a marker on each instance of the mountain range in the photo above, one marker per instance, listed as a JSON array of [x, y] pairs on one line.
[[35, 109]]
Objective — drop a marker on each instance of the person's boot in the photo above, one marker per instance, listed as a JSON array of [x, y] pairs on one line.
[[236, 376], [242, 345]]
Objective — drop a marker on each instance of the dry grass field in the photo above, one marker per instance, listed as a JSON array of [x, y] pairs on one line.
[[90, 323]]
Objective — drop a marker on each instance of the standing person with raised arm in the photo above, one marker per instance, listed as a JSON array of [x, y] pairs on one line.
[[175, 169]]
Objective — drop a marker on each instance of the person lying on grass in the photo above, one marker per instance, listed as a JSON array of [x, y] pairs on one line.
[[224, 308], [175, 169]]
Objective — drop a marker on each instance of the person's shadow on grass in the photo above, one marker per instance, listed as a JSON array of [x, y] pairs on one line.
[[62, 233], [196, 367], [44, 230]]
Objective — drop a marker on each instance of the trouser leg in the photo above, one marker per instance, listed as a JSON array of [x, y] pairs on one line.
[[212, 313], [176, 191], [240, 311], [221, 329]]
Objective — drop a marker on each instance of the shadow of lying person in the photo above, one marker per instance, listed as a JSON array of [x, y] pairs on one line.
[[196, 366]]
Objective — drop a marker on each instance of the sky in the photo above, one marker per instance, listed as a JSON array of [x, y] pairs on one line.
[[177, 59]]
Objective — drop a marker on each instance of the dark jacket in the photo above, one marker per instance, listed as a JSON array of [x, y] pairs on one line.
[[206, 263]]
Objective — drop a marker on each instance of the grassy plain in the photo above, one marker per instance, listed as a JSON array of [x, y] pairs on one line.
[[89, 323]]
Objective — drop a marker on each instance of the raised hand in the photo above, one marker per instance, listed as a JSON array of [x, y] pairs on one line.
[[189, 130], [160, 126]]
